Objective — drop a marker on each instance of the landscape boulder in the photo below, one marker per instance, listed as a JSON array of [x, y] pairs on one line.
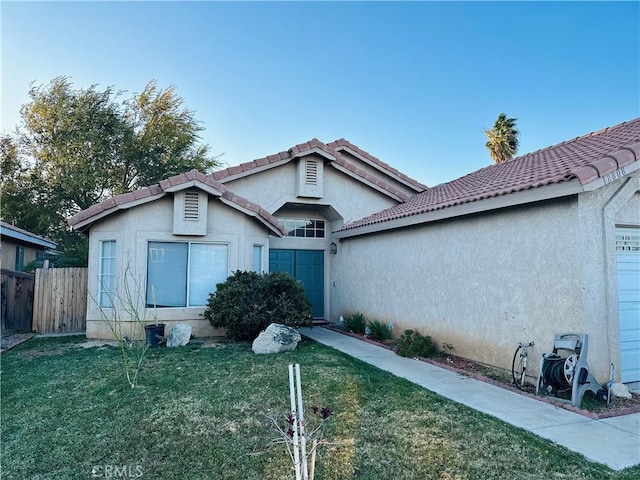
[[620, 390], [276, 338], [179, 335]]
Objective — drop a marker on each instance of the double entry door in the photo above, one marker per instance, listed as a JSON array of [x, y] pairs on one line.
[[308, 267]]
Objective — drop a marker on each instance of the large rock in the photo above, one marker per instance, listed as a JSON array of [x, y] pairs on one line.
[[276, 338], [620, 390], [179, 335]]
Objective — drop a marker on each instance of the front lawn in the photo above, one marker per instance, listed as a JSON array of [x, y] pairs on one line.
[[198, 413]]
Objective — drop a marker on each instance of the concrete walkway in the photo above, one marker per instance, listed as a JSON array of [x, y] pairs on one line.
[[613, 441]]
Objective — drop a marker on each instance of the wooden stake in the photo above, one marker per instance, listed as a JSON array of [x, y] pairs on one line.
[[296, 452]]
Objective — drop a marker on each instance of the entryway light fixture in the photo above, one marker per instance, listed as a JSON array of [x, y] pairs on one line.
[[333, 248]]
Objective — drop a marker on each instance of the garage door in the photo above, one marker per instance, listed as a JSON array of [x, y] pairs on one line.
[[628, 256]]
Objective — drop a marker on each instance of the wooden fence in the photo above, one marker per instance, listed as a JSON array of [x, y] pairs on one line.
[[60, 300], [17, 300]]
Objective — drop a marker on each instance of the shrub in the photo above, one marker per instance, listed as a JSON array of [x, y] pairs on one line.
[[354, 323], [412, 344], [247, 302], [379, 331]]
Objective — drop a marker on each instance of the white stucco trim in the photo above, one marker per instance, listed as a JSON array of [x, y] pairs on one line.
[[194, 183], [330, 212], [557, 190], [359, 178], [613, 206], [315, 150]]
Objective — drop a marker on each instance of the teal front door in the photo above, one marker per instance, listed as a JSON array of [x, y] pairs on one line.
[[308, 267]]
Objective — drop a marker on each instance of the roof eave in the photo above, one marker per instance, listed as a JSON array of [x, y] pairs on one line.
[[252, 171], [611, 176], [26, 238], [83, 225], [417, 187], [273, 228], [364, 180], [547, 192]]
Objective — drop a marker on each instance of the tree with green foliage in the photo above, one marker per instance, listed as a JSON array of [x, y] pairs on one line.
[[76, 147], [502, 140], [20, 190]]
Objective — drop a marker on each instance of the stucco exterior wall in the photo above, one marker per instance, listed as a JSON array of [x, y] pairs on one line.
[[134, 228], [8, 253], [600, 211], [275, 187], [481, 283], [485, 282], [349, 199], [266, 188]]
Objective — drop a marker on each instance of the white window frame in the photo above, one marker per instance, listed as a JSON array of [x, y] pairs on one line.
[[258, 265], [157, 254], [105, 293], [304, 225]]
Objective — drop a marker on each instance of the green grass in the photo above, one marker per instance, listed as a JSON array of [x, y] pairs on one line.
[[198, 413]]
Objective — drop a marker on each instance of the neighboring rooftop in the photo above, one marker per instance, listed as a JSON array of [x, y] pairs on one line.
[[21, 235], [587, 158]]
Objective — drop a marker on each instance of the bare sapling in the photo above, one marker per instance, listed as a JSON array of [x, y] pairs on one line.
[[126, 318]]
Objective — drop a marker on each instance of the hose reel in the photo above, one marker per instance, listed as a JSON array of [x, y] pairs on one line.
[[571, 372]]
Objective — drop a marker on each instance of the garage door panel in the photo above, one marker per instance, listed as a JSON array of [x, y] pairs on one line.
[[628, 273], [629, 321], [630, 364]]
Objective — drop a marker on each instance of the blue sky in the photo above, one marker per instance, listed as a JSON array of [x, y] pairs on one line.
[[413, 83]]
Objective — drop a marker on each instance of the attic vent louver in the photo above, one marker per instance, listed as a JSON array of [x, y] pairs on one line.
[[191, 206], [311, 172]]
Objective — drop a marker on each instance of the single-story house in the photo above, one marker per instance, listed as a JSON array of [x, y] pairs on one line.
[[181, 237], [545, 243], [19, 247]]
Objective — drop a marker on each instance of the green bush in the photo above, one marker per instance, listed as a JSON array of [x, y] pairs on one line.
[[247, 302], [412, 344], [354, 323], [379, 331]]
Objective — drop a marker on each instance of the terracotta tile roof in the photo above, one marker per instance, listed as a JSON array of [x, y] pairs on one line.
[[279, 158], [585, 158], [343, 144], [332, 151], [128, 200]]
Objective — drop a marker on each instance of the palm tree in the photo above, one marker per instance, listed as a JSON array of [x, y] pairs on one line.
[[503, 139]]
